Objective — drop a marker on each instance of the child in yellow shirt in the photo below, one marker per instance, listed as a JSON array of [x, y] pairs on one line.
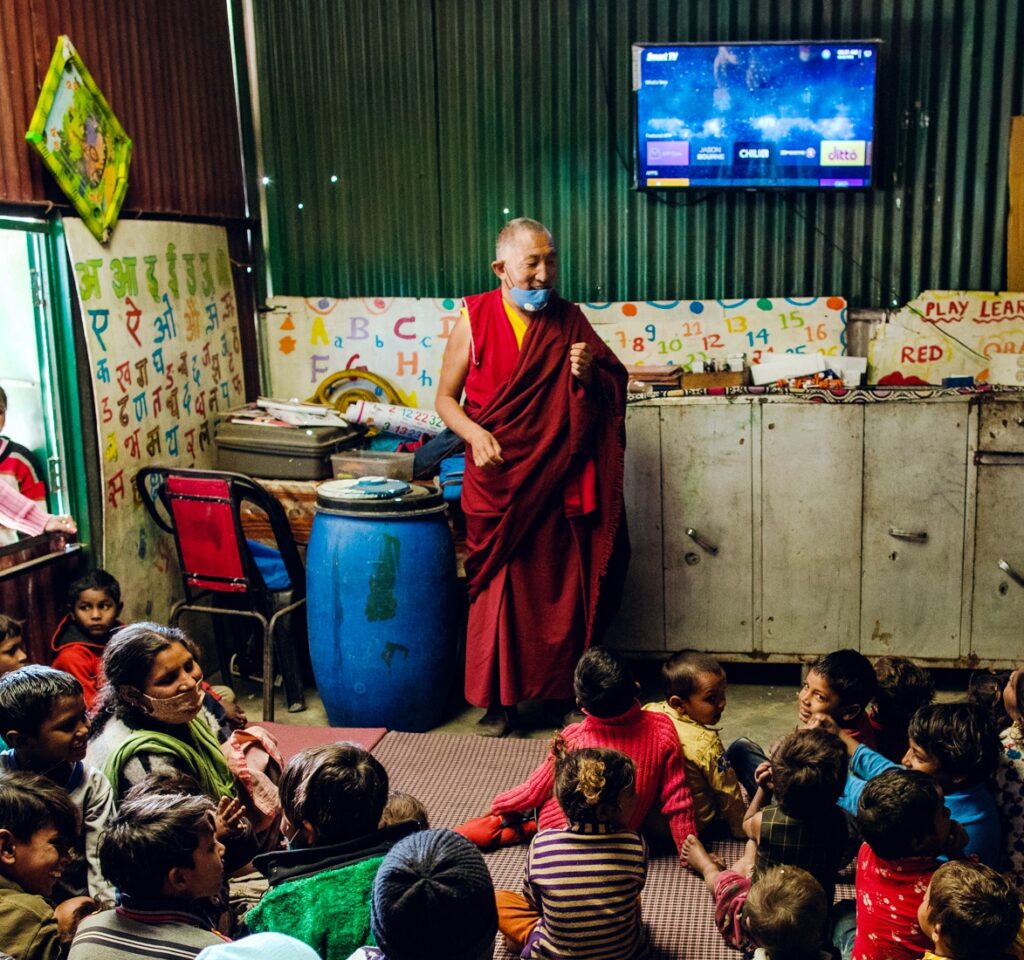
[[694, 701]]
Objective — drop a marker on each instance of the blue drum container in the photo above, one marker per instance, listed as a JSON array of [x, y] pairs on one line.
[[380, 575]]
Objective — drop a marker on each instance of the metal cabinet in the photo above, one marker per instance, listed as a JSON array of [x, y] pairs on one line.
[[811, 467], [997, 601], [709, 525], [640, 622], [912, 554], [772, 527]]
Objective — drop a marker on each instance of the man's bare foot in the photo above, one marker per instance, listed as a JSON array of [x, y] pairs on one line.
[[699, 860]]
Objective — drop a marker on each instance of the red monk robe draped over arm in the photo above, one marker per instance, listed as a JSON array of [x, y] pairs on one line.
[[546, 530]]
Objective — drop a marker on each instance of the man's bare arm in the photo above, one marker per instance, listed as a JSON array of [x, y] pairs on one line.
[[454, 369]]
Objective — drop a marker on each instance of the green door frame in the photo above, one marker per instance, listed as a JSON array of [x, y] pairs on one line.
[[51, 295]]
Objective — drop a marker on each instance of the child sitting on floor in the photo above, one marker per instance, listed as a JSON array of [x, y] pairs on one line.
[[839, 685], [37, 824], [433, 897], [94, 605], [903, 688], [42, 718], [12, 645], [803, 827], [786, 916], [607, 694], [401, 807], [970, 912], [694, 701], [906, 828], [594, 908], [333, 797], [1009, 782], [12, 651], [955, 744], [163, 856]]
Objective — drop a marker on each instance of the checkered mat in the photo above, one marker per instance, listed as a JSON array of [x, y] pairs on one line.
[[456, 777]]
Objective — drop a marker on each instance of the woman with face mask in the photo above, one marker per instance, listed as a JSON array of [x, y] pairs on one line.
[[150, 717]]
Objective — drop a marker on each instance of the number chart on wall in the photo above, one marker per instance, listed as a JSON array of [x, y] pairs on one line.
[[158, 306], [403, 339], [682, 332]]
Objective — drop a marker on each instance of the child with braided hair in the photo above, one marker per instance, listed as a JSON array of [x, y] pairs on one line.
[[581, 891]]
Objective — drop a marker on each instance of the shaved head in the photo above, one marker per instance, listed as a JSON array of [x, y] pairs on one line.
[[509, 233]]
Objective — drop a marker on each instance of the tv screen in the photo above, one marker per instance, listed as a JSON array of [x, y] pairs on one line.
[[755, 115]]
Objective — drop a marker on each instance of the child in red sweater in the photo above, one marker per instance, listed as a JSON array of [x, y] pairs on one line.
[[607, 694], [94, 605]]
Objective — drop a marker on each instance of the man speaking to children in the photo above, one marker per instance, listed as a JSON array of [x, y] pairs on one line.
[[543, 421]]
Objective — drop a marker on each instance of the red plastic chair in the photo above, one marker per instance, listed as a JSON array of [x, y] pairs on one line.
[[203, 513]]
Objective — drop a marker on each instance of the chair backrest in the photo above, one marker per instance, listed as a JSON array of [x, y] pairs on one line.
[[203, 512], [207, 533]]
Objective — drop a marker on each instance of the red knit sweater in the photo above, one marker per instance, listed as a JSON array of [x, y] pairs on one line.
[[650, 740]]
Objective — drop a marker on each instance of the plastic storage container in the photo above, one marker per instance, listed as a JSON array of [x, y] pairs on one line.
[[380, 577], [282, 453], [372, 463]]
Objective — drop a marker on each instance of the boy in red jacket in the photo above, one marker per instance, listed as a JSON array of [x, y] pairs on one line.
[[607, 694]]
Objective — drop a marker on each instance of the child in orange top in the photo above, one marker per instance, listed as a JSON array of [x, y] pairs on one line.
[[94, 605]]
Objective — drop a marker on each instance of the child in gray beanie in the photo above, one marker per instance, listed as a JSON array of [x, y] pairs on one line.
[[432, 897]]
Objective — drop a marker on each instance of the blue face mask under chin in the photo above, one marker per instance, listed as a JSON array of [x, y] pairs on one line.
[[530, 301]]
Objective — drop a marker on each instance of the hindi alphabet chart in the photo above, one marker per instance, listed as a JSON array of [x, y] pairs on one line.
[[403, 339], [161, 325]]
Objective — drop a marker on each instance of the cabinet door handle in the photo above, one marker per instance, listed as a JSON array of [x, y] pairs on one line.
[[914, 536], [1011, 573], [701, 542]]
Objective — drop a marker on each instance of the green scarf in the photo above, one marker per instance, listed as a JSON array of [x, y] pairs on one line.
[[206, 764]]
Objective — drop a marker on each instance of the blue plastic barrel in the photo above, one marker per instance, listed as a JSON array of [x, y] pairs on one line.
[[380, 579]]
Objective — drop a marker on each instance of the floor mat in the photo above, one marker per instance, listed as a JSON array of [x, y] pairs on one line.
[[456, 777], [293, 737]]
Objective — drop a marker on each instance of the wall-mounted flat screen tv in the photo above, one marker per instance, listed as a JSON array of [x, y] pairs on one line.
[[794, 115]]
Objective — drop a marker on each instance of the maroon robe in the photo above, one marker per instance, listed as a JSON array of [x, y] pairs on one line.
[[545, 529]]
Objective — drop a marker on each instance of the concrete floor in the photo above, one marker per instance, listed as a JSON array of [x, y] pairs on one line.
[[761, 702]]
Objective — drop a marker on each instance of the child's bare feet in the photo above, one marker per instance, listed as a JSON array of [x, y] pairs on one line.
[[700, 861]]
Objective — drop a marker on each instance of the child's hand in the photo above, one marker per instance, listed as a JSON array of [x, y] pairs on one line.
[[823, 721], [71, 913], [763, 776], [229, 817], [234, 714]]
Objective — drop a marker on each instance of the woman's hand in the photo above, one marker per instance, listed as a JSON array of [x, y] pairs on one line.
[[62, 524]]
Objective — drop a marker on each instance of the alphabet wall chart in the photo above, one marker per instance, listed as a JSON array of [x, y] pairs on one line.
[[158, 305], [403, 339]]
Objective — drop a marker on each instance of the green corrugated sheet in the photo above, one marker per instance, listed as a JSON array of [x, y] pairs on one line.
[[443, 118]]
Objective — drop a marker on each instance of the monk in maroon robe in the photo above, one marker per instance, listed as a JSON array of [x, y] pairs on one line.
[[543, 421]]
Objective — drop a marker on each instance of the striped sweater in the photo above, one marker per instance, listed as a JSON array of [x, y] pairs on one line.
[[585, 883], [156, 931], [650, 740]]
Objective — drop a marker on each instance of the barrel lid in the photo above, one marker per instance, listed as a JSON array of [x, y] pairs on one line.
[[377, 495]]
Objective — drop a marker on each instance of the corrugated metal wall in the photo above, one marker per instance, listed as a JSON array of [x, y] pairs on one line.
[[165, 69], [437, 116]]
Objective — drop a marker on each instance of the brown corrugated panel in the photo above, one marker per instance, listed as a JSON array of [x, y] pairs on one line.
[[164, 67]]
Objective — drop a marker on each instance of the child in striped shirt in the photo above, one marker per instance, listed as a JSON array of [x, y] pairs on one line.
[[581, 892]]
